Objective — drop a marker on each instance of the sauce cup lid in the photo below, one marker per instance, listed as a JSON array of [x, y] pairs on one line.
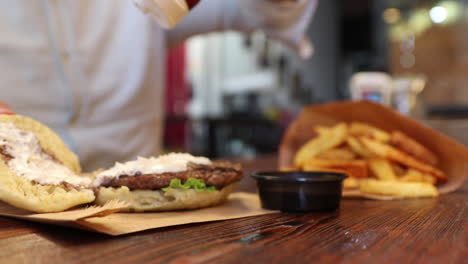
[[300, 191], [299, 176]]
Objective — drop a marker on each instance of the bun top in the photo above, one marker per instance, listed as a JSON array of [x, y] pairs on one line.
[[173, 162], [35, 152]]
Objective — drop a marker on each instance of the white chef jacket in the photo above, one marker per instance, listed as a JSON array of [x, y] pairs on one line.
[[93, 70]]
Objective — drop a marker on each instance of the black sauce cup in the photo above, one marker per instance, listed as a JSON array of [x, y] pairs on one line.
[[299, 191]]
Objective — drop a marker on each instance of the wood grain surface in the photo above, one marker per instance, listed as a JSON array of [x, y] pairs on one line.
[[361, 231]]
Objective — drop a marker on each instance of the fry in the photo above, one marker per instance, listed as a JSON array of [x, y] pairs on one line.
[[321, 129], [406, 144], [382, 169], [366, 130], [429, 179], [398, 189], [289, 169], [329, 139], [413, 175], [354, 168], [398, 169], [350, 183], [396, 155], [337, 154], [358, 148]]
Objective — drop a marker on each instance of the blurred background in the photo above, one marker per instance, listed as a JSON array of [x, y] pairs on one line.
[[233, 95]]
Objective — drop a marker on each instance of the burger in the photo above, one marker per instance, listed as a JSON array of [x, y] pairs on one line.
[[175, 181], [39, 173], [37, 170]]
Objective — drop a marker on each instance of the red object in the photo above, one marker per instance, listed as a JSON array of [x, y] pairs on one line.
[[176, 85], [176, 98], [192, 3]]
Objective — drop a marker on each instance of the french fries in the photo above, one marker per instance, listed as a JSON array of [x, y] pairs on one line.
[[416, 176], [382, 169], [377, 162], [360, 149], [337, 154], [398, 189], [399, 169], [350, 183], [354, 168], [321, 129], [326, 140], [366, 130], [285, 169], [406, 144], [386, 151]]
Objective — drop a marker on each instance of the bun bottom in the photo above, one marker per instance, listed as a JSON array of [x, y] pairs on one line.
[[25, 194], [157, 200]]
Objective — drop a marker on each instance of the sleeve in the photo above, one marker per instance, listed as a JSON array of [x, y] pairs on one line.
[[285, 20]]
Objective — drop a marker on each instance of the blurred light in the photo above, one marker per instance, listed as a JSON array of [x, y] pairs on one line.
[[398, 31], [407, 43], [419, 21], [407, 60], [391, 15], [454, 10], [438, 14]]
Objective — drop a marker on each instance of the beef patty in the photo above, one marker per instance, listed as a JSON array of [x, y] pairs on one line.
[[218, 174]]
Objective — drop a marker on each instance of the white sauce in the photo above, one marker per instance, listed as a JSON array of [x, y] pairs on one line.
[[174, 162], [31, 162]]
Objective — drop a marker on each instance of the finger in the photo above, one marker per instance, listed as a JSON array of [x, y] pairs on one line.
[[6, 112], [5, 109], [302, 46]]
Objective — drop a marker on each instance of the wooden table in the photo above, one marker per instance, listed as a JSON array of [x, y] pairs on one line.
[[361, 231]]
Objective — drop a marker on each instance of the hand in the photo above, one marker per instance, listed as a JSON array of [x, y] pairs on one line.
[[284, 20], [5, 109]]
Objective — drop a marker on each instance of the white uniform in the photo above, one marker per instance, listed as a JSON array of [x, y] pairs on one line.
[[93, 69]]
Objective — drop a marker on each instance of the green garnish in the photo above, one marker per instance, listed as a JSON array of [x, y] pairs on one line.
[[191, 183]]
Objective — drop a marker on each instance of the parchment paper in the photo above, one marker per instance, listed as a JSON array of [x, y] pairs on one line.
[[453, 156], [105, 219]]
